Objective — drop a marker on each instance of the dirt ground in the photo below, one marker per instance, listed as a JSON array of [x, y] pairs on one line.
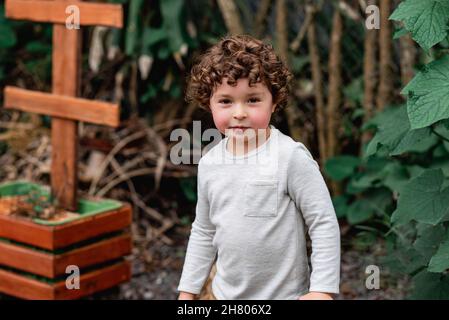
[[151, 281], [156, 271]]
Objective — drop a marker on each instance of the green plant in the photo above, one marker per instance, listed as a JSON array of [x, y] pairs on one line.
[[401, 184], [37, 203]]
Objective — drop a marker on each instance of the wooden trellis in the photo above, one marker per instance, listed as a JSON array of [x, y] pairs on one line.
[[62, 104]]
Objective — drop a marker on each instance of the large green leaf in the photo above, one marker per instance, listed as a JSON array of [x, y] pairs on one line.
[[427, 20], [428, 240], [430, 286], [440, 261], [428, 94], [372, 203], [423, 199], [341, 167], [394, 132], [359, 211]]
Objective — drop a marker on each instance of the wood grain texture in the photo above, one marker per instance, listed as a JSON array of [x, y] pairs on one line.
[[99, 14], [50, 265], [56, 237], [95, 281], [26, 288], [66, 66], [66, 107]]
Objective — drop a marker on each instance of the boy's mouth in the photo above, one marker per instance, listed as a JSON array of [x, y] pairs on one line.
[[239, 129]]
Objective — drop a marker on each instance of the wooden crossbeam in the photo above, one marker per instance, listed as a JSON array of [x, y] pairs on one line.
[[104, 14], [64, 107]]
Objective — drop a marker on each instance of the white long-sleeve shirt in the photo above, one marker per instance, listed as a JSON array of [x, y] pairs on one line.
[[252, 215]]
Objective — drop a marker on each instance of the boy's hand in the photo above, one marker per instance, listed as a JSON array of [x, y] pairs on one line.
[[186, 296], [316, 296]]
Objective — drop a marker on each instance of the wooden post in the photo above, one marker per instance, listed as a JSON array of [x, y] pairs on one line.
[[65, 83]]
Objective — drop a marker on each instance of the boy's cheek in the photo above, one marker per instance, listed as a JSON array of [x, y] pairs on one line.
[[221, 121], [260, 120]]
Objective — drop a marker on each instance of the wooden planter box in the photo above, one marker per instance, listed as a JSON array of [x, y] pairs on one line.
[[34, 253], [27, 288]]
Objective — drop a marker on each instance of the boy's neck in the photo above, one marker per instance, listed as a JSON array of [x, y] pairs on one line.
[[248, 147]]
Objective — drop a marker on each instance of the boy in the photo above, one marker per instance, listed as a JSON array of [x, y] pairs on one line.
[[259, 191]]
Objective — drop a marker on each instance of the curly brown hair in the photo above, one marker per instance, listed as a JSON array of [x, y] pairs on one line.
[[235, 57]]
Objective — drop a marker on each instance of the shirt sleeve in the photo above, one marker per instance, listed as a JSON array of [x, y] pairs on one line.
[[306, 186], [200, 253]]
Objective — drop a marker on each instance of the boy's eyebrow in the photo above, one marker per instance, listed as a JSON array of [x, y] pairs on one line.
[[224, 95]]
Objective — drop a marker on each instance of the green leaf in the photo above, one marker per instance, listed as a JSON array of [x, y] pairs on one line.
[[7, 36], [151, 37], [188, 186], [396, 176], [172, 13], [340, 204], [133, 28], [372, 203], [394, 132], [440, 261], [428, 240], [38, 47], [399, 33], [359, 211], [341, 167], [298, 62], [430, 286], [423, 199], [426, 20], [428, 94], [354, 91]]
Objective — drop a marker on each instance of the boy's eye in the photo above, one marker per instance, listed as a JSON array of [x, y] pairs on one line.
[[224, 101], [254, 100]]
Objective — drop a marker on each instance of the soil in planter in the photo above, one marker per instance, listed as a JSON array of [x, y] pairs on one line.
[[17, 205], [32, 201]]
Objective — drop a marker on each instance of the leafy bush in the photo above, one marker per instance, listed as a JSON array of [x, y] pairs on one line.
[[402, 181]]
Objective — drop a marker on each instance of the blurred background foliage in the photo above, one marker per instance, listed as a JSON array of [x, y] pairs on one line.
[[346, 104]]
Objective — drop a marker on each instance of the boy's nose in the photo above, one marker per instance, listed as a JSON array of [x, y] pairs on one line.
[[239, 112]]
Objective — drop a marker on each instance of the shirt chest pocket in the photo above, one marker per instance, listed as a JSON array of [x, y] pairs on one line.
[[261, 198]]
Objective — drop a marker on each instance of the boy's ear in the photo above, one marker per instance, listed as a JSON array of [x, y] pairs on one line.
[[273, 109]]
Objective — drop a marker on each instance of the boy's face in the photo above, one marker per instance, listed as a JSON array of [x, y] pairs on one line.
[[241, 106]]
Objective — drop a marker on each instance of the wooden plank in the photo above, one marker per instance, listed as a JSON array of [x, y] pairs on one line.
[[55, 237], [50, 266], [95, 281], [23, 230], [99, 252], [76, 231], [66, 79], [23, 287], [60, 106], [26, 259], [101, 14]]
